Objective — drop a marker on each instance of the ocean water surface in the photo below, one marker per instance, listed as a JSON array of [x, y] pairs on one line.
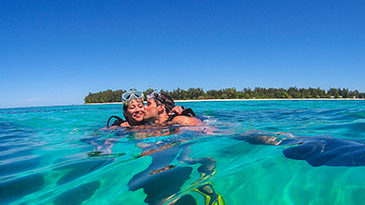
[[59, 155]]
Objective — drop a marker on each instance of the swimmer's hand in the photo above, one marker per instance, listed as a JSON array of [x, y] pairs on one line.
[[176, 110], [125, 124]]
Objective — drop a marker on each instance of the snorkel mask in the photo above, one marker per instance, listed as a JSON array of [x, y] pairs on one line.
[[132, 94], [156, 95]]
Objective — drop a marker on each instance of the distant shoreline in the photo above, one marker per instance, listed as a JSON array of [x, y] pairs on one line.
[[268, 99], [206, 100]]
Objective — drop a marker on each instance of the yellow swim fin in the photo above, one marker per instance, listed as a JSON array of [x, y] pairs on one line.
[[211, 197]]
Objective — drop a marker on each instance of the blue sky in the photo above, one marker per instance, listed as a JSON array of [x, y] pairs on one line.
[[56, 52]]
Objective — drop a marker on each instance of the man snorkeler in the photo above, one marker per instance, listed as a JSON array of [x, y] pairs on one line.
[[160, 104]]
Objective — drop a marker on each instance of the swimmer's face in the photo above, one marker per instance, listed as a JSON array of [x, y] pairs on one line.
[[135, 111], [152, 110]]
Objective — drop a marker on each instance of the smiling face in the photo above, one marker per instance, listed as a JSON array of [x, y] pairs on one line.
[[135, 112]]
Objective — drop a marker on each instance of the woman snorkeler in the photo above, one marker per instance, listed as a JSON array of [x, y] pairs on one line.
[[133, 108]]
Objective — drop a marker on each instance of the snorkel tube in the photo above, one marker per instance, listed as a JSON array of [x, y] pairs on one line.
[[118, 121]]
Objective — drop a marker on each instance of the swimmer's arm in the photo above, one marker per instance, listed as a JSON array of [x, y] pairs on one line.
[[259, 139], [177, 109]]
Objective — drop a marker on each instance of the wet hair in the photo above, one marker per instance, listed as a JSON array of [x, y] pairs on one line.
[[165, 99], [125, 107]]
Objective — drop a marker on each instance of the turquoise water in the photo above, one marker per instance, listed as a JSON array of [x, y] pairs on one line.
[[58, 155]]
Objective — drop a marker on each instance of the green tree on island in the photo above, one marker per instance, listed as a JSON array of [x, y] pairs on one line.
[[232, 93]]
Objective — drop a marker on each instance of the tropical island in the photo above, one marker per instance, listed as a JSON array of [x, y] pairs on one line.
[[110, 96]]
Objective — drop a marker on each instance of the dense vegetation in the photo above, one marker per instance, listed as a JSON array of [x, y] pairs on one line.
[[232, 93]]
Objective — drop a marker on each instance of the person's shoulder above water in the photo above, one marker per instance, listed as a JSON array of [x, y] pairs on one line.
[[185, 120], [184, 117]]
